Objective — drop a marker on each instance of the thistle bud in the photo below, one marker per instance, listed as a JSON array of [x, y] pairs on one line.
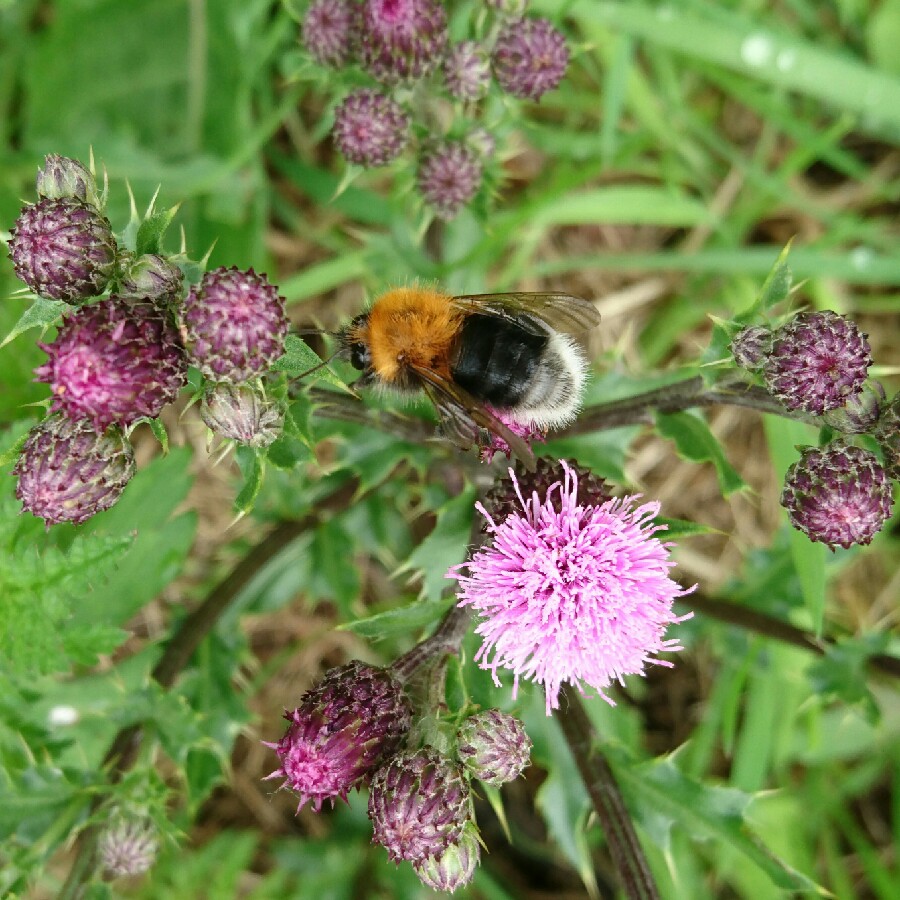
[[838, 495], [63, 249], [750, 346], [530, 58], [482, 142], [241, 413], [62, 178], [467, 71], [887, 433], [68, 471], [151, 276], [510, 9], [819, 360], [114, 361], [861, 411], [370, 129], [418, 805], [449, 177], [343, 729], [327, 32], [493, 746], [234, 325], [127, 847], [455, 867]]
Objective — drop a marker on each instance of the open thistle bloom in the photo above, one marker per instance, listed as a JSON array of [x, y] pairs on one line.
[[449, 177], [530, 58], [343, 729], [493, 746], [839, 495], [817, 362], [327, 31], [571, 592], [370, 129], [495, 444], [127, 847]]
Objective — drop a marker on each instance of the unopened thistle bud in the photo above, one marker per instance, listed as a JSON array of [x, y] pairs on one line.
[[114, 361], [343, 729], [750, 347], [467, 71], [241, 413], [449, 177], [530, 58], [838, 495], [327, 31], [62, 178], [68, 471], [482, 142], [234, 325], [510, 9], [887, 433], [370, 129], [418, 805], [861, 411], [63, 249], [151, 276], [127, 847], [455, 867], [493, 746], [819, 360]]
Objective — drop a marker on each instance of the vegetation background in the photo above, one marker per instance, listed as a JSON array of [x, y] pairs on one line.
[[688, 144]]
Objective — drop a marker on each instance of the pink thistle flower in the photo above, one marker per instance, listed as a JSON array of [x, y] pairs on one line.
[[571, 593], [496, 444]]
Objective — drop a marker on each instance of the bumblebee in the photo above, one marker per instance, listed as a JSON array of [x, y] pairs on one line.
[[480, 358]]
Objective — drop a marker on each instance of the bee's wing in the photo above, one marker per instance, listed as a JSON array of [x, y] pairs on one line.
[[462, 415], [534, 312]]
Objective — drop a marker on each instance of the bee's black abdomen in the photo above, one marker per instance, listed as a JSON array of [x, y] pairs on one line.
[[496, 359]]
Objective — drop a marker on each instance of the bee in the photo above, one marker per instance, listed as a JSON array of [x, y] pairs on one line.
[[480, 358]]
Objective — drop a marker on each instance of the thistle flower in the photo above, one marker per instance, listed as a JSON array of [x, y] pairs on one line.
[[467, 71], [418, 804], [241, 413], [861, 411], [400, 40], [343, 729], [114, 362], [68, 471], [493, 746], [750, 346], [63, 249], [530, 58], [61, 178], [370, 129], [234, 325], [449, 177], [570, 592], [887, 433], [127, 847], [496, 444], [838, 495], [818, 361], [151, 276], [454, 867], [327, 32]]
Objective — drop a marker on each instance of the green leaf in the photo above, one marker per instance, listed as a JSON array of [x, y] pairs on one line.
[[251, 463], [775, 288], [41, 314], [694, 441], [151, 231], [160, 432], [299, 359], [681, 528], [407, 619]]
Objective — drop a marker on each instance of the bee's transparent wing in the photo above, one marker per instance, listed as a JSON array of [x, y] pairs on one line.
[[537, 313]]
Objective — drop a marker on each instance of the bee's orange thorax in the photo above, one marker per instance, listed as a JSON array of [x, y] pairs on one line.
[[415, 326]]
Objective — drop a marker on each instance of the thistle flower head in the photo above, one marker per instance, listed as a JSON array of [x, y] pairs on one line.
[[570, 592], [482, 142], [530, 58], [861, 411], [63, 249], [838, 495], [467, 71], [400, 40], [493, 746], [114, 362], [448, 178], [750, 346], [68, 471], [327, 30], [127, 847], [370, 129], [241, 413], [455, 867], [61, 177], [817, 362], [151, 276], [496, 444], [343, 729], [418, 805], [234, 325], [887, 433]]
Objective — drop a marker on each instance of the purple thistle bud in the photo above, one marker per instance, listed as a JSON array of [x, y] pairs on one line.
[[418, 805], [234, 325], [838, 495], [449, 177], [818, 361], [343, 729], [114, 362], [127, 847], [63, 249], [401, 40], [493, 746], [530, 58], [482, 142], [151, 276], [455, 867], [242, 413], [861, 411], [570, 592], [750, 347], [510, 9], [887, 433], [467, 71], [68, 471], [370, 129], [327, 31], [62, 178]]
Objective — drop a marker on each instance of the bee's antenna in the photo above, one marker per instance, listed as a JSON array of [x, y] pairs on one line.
[[321, 365]]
